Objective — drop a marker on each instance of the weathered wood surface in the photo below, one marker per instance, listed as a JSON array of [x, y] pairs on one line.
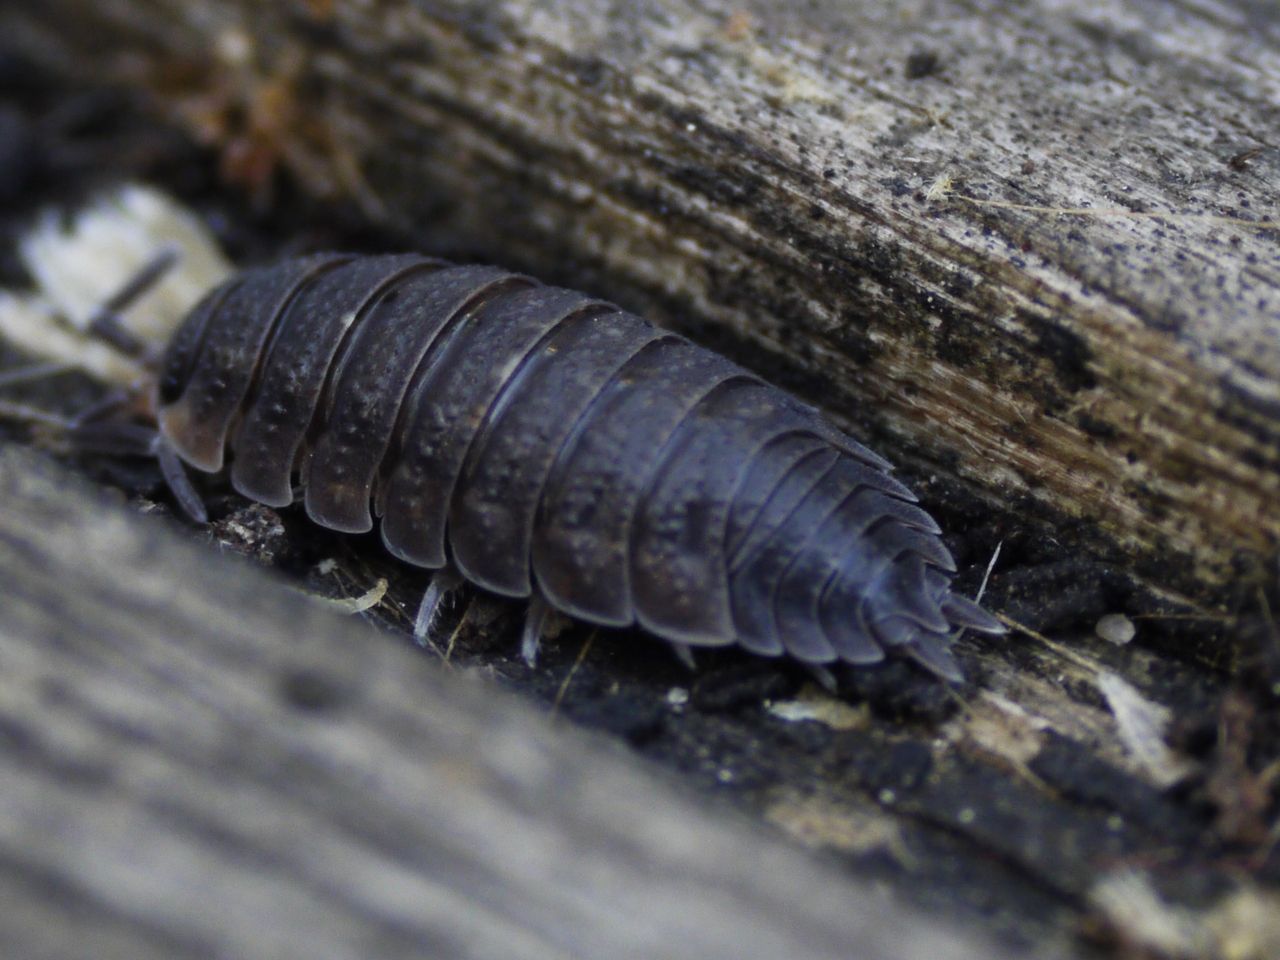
[[226, 769], [1025, 247]]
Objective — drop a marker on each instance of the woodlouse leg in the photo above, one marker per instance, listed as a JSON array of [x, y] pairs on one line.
[[120, 439], [684, 653], [446, 580], [93, 430], [175, 476], [105, 323], [826, 679], [534, 621]]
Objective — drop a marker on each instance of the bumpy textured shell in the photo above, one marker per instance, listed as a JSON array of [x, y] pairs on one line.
[[550, 445]]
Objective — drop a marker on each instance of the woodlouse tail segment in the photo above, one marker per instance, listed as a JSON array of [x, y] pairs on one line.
[[851, 639], [933, 652], [964, 613], [906, 595], [914, 612]]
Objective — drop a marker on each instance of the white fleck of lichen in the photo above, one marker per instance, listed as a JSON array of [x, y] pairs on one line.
[[941, 187], [1130, 903], [818, 822], [1140, 724], [813, 704], [1243, 924]]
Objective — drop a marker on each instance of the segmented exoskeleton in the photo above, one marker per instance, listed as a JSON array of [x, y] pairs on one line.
[[543, 444]]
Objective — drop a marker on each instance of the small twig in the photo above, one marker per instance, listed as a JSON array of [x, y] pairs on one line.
[[453, 637], [564, 685]]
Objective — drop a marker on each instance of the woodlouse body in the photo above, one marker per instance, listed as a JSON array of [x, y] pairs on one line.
[[551, 446]]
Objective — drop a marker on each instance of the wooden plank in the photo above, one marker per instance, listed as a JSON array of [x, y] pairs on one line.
[[199, 762], [1027, 251]]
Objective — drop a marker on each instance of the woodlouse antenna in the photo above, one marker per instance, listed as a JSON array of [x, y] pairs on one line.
[[106, 326], [35, 371], [92, 429], [105, 323], [25, 413]]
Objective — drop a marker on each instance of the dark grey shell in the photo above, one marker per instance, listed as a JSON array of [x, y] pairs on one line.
[[549, 445]]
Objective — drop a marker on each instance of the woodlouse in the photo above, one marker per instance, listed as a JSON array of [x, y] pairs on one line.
[[546, 445]]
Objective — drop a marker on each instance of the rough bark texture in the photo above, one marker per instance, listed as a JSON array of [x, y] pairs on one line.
[[1031, 248], [228, 770]]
